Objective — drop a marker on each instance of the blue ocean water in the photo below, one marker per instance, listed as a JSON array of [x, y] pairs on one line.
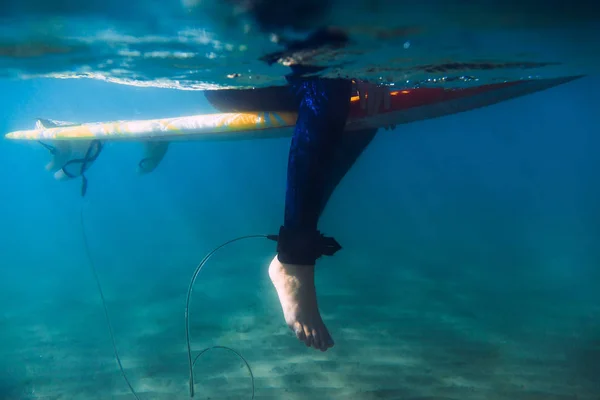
[[469, 268], [209, 44]]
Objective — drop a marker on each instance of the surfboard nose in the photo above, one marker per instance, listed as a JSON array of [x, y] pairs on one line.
[[15, 135], [22, 135]]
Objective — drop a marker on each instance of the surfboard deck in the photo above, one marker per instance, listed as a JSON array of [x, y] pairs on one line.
[[407, 106]]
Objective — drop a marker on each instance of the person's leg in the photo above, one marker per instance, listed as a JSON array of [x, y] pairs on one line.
[[321, 121], [351, 146], [320, 156]]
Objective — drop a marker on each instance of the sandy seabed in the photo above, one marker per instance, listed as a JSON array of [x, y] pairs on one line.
[[404, 343]]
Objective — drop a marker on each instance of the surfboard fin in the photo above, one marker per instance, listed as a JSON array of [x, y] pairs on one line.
[[61, 153], [67, 156], [348, 151], [45, 123], [154, 152], [70, 159]]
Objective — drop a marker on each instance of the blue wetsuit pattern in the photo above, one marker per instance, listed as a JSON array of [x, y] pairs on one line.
[[321, 120], [322, 115]]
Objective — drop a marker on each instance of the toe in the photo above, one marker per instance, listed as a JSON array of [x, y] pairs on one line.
[[327, 341], [324, 343], [330, 342], [317, 342], [309, 337], [299, 331]]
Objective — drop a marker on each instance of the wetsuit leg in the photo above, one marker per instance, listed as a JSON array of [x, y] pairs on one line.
[[322, 115], [346, 151]]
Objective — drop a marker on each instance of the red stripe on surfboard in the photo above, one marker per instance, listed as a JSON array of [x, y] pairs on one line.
[[410, 98]]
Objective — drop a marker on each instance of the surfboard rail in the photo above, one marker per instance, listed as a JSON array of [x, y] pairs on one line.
[[408, 105], [74, 147]]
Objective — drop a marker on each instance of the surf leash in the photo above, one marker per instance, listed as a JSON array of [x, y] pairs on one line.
[[192, 363]]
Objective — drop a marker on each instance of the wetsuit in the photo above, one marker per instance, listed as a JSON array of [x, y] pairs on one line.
[[320, 154]]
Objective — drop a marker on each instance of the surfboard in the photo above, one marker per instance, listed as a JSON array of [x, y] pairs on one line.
[[408, 105]]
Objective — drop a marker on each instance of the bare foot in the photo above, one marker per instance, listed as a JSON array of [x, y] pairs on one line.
[[295, 285]]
